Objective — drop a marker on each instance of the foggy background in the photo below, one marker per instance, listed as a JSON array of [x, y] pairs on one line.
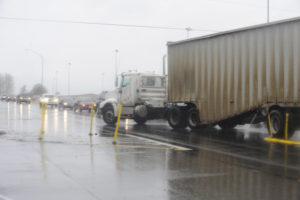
[[91, 48]]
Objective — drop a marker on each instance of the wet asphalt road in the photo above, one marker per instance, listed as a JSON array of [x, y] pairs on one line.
[[148, 162]]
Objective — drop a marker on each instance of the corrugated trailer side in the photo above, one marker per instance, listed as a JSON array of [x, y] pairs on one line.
[[231, 73]]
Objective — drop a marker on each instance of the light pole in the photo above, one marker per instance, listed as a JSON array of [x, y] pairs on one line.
[[69, 68], [116, 67], [42, 63], [56, 81], [268, 11], [188, 29], [102, 81]]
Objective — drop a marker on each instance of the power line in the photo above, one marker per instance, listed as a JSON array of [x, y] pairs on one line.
[[102, 24]]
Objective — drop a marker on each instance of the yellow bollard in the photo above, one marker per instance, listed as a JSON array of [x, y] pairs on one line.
[[91, 123], [286, 126], [270, 126], [44, 108], [117, 127]]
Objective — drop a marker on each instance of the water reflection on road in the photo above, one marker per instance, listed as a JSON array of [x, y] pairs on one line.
[[236, 164]]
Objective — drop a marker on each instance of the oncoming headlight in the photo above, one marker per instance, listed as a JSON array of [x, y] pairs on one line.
[[45, 100]]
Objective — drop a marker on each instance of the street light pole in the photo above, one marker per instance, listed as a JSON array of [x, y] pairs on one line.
[[56, 81], [102, 81], [268, 11], [42, 63], [116, 67], [188, 29], [69, 68]]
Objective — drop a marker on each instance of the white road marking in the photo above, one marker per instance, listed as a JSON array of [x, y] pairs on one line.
[[160, 143]]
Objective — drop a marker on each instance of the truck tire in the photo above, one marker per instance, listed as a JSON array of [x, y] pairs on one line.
[[193, 119], [228, 124], [140, 120], [108, 115], [176, 118], [277, 119]]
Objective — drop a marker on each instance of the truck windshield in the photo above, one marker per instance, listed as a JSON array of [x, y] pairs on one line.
[[152, 81]]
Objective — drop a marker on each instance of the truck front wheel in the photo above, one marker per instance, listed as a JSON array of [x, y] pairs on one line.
[[176, 118], [140, 120], [108, 115]]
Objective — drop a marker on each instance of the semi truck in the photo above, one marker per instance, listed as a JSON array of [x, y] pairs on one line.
[[142, 95], [248, 75]]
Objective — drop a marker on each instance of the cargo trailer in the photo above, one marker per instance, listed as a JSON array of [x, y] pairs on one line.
[[236, 77]]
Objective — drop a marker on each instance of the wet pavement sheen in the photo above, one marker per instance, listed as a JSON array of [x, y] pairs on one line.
[[148, 162]]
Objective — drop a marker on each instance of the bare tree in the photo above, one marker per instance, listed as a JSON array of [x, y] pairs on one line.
[[6, 84], [9, 84], [1, 84], [23, 89], [38, 89]]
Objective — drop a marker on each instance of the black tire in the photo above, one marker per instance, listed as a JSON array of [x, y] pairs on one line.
[[176, 118], [193, 119], [228, 124], [108, 115], [140, 120], [277, 119]]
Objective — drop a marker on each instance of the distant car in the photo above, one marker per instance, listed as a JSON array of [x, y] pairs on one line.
[[49, 99], [3, 97], [24, 98], [11, 98], [84, 104], [66, 103]]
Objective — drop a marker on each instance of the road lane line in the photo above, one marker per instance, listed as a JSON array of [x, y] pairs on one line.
[[152, 147], [172, 146]]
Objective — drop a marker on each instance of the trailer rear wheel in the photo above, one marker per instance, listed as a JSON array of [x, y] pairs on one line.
[[193, 119], [176, 118], [227, 125], [277, 123]]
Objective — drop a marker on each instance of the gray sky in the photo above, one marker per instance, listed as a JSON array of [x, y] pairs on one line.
[[91, 48]]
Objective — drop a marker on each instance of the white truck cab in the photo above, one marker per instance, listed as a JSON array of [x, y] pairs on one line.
[[142, 95]]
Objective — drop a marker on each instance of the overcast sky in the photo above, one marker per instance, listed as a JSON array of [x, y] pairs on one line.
[[91, 48]]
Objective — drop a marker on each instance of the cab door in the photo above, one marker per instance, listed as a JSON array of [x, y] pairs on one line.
[[126, 96]]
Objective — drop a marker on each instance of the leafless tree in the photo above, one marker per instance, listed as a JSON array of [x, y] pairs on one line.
[[6, 84], [38, 89]]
